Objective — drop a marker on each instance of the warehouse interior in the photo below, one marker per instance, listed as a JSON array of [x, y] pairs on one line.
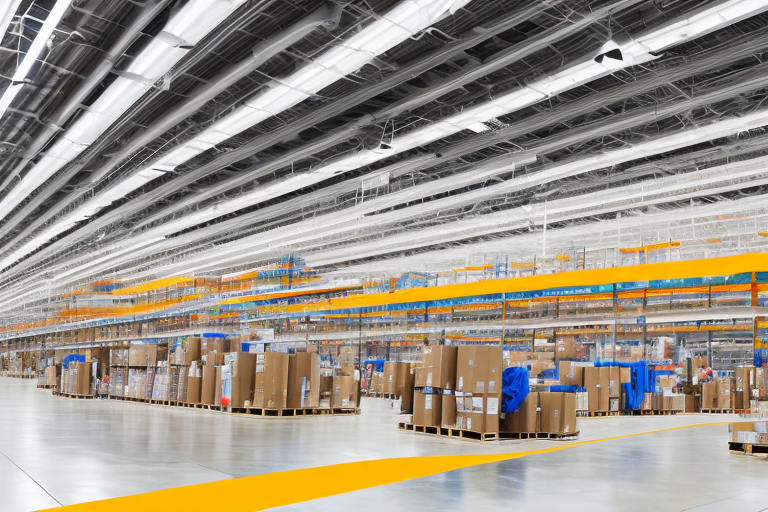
[[383, 255]]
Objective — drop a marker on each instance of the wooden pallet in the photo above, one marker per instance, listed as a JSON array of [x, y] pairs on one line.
[[664, 413], [717, 411], [23, 376], [389, 396], [46, 386], [639, 412], [76, 397], [756, 450], [291, 413], [742, 411], [598, 414], [478, 436]]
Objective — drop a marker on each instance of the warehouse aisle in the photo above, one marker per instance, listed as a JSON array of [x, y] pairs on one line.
[[71, 451]]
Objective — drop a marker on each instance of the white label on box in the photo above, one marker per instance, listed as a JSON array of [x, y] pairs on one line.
[[461, 383], [390, 378], [428, 403], [491, 386], [259, 368], [480, 387], [493, 406], [471, 363], [469, 423], [477, 404], [429, 379]]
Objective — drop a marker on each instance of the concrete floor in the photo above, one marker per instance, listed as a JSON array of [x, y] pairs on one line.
[[56, 451]]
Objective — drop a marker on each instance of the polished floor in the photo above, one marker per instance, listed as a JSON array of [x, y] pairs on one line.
[[56, 451]]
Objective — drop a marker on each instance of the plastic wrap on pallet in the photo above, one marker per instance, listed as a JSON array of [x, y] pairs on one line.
[[514, 388]]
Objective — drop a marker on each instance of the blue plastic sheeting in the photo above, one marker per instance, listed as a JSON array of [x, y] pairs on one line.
[[550, 373], [72, 358], [573, 388], [378, 364], [761, 357], [634, 390], [514, 389]]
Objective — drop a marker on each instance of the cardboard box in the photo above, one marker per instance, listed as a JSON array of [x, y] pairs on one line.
[[303, 380], [208, 389], [604, 393], [558, 412], [709, 395], [625, 375], [614, 383], [592, 383], [427, 409], [194, 387], [142, 355], [571, 374], [479, 370], [271, 381], [217, 387], [395, 377], [448, 411], [243, 379], [191, 350], [744, 381], [405, 391], [439, 367], [344, 392], [565, 348], [526, 419]]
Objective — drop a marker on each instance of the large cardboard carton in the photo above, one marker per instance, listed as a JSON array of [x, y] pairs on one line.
[[625, 375], [439, 367], [558, 412], [565, 348], [243, 379], [395, 375], [194, 387], [344, 392], [271, 382], [526, 419], [326, 391], [571, 374], [405, 390], [743, 383], [448, 410], [592, 383], [604, 393], [614, 383], [303, 380], [479, 370], [427, 409], [191, 350], [208, 390], [142, 355], [709, 395]]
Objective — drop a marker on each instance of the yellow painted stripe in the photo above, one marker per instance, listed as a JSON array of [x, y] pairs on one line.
[[271, 490]]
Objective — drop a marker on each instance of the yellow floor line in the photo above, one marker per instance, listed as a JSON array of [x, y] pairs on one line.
[[261, 492]]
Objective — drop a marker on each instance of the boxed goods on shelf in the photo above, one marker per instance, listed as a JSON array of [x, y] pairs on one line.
[[571, 373], [271, 384], [188, 352], [142, 355], [118, 381], [119, 357]]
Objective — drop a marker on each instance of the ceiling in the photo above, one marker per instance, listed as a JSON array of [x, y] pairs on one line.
[[142, 140]]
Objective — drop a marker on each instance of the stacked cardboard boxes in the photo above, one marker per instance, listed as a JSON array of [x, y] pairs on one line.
[[551, 413], [478, 388], [303, 380], [271, 384], [435, 386]]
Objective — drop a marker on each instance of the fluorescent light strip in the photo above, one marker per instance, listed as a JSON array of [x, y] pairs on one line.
[[37, 46], [196, 18], [634, 52], [224, 253], [400, 23]]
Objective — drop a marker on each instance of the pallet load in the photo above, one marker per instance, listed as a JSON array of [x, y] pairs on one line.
[[598, 384], [434, 403], [717, 396], [748, 438], [76, 380], [271, 384], [395, 379], [377, 384], [478, 388]]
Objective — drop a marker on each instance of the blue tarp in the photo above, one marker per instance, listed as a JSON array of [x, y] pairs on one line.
[[634, 390], [378, 364], [573, 388], [72, 358], [514, 389]]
